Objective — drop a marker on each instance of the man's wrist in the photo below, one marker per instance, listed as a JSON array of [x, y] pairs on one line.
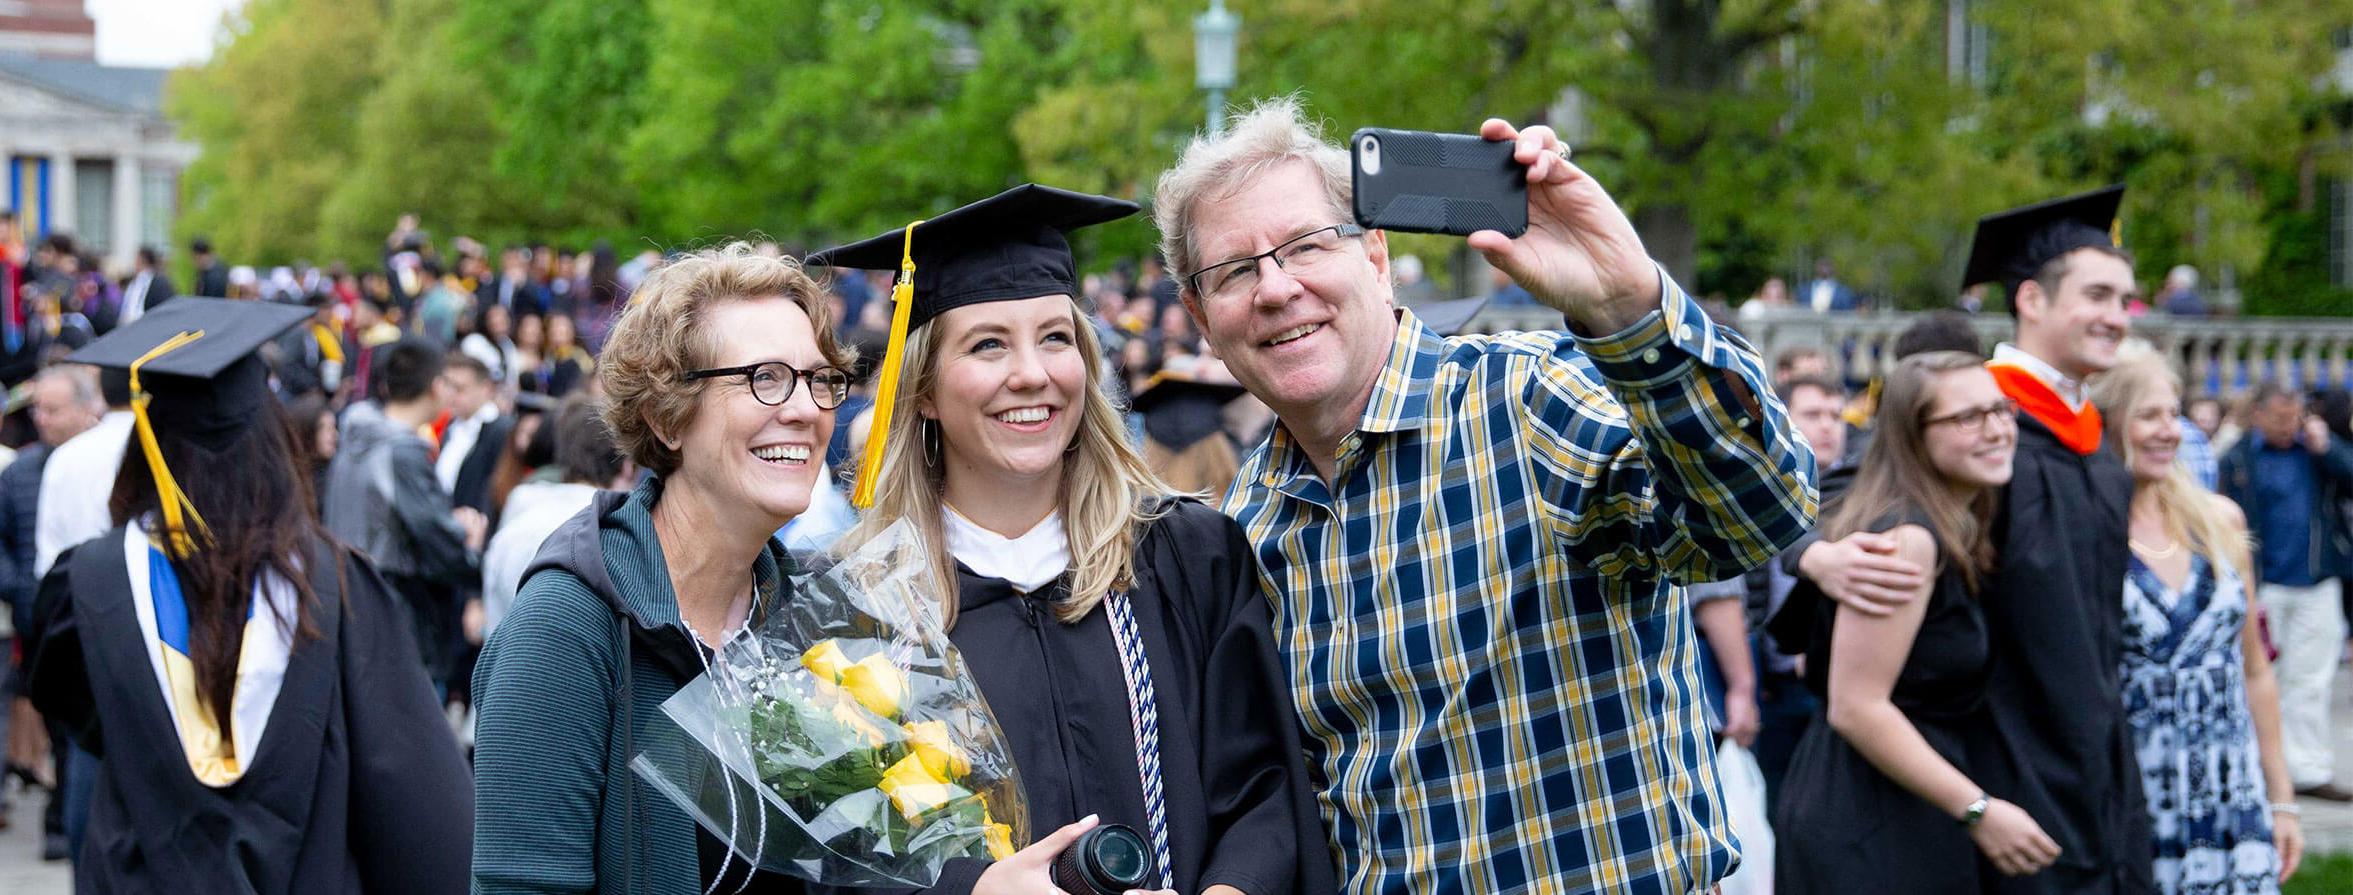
[[1615, 314]]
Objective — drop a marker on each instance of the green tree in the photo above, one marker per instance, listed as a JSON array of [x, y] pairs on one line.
[[425, 144], [565, 85], [276, 112]]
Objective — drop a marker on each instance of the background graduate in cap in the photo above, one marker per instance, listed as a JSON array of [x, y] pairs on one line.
[[249, 684], [2054, 609], [1081, 587]]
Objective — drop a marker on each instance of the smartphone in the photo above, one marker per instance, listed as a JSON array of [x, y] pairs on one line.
[[1421, 182]]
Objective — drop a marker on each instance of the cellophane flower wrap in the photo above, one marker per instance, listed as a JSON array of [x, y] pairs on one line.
[[844, 741]]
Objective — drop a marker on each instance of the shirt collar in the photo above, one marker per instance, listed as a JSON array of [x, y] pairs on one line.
[[1028, 562], [2069, 390], [1400, 400], [1401, 393]]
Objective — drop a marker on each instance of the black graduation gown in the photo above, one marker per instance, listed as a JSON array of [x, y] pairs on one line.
[[357, 785], [2055, 610], [1238, 804]]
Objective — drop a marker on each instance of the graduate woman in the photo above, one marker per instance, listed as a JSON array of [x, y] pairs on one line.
[[250, 686], [1117, 631]]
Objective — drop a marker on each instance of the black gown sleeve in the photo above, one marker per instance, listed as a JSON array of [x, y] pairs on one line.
[[412, 796], [1265, 834], [57, 679]]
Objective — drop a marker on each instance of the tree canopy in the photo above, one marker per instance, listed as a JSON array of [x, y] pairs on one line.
[[1748, 138]]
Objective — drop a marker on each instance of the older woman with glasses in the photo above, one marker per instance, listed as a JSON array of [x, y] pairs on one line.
[[721, 378]]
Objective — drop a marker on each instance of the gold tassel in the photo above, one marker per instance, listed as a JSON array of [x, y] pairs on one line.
[[886, 393], [174, 501]]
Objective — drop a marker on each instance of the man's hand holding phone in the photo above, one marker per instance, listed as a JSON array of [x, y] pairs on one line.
[[1580, 254]]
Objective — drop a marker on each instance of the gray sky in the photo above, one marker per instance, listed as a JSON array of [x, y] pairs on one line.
[[157, 33]]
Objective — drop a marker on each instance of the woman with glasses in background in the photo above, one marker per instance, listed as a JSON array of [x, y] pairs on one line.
[[1892, 795]]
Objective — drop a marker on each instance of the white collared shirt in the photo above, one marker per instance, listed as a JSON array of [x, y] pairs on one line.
[[135, 298], [2070, 390], [458, 441], [1029, 562], [75, 487]]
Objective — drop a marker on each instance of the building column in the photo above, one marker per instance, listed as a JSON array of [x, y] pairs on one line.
[[129, 212], [61, 192]]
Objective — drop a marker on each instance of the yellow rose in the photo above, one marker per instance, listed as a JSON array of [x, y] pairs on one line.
[[867, 733], [914, 791], [826, 660], [876, 684], [938, 750], [1000, 839]]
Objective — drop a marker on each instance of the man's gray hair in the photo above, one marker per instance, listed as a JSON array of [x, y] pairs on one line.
[[1272, 133], [83, 378]]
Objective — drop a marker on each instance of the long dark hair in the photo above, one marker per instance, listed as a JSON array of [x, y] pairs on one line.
[[243, 490], [1896, 473]]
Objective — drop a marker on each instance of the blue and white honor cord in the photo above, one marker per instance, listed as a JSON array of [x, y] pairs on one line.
[[1144, 717]]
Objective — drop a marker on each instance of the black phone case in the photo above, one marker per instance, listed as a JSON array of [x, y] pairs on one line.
[[1439, 183]]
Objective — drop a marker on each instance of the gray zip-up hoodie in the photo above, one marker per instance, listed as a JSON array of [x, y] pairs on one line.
[[569, 691]]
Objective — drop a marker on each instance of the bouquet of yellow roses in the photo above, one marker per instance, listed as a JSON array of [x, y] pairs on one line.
[[844, 741]]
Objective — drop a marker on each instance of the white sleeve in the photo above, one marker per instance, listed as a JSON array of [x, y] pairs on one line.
[[49, 526]]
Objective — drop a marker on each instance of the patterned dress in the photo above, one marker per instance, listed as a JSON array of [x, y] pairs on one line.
[[2185, 694]]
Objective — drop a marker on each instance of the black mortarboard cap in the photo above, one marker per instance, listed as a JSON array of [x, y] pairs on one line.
[[2012, 245], [1165, 388], [1447, 318], [1005, 247], [210, 388]]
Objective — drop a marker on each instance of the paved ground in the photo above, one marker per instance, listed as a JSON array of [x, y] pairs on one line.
[[22, 872], [2328, 827]]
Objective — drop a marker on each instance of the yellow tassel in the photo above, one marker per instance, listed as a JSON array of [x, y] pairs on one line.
[[167, 489], [886, 393]]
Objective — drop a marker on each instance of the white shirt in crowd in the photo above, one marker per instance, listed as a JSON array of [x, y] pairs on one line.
[[75, 488], [135, 298], [458, 441], [534, 510]]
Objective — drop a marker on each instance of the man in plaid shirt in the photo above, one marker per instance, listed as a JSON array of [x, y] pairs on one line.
[[1473, 545]]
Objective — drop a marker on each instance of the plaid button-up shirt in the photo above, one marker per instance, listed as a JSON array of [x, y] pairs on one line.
[[1489, 657]]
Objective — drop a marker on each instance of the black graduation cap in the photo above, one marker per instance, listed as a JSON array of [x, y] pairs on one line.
[[1008, 246], [1447, 318], [2012, 245], [208, 385], [1165, 388]]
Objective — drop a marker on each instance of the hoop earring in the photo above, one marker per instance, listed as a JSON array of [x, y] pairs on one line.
[[931, 443]]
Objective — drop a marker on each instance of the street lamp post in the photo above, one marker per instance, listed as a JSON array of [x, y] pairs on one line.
[[1213, 59]]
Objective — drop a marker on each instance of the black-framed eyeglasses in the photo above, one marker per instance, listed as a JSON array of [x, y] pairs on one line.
[[1302, 253], [1973, 420], [772, 382]]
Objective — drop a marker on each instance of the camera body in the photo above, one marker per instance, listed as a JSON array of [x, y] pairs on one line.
[[1107, 860]]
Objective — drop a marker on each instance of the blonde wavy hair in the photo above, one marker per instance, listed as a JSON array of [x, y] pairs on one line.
[[2193, 515], [661, 335], [1108, 495]]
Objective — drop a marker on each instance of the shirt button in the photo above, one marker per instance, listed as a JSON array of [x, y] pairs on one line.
[[1683, 332], [1746, 422], [1650, 356]]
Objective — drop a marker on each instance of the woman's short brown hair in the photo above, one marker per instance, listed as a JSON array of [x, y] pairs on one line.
[[661, 336]]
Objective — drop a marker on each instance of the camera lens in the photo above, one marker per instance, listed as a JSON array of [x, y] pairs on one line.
[[1107, 860], [1121, 857]]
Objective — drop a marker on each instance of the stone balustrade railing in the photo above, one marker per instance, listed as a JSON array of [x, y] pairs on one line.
[[2218, 356]]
